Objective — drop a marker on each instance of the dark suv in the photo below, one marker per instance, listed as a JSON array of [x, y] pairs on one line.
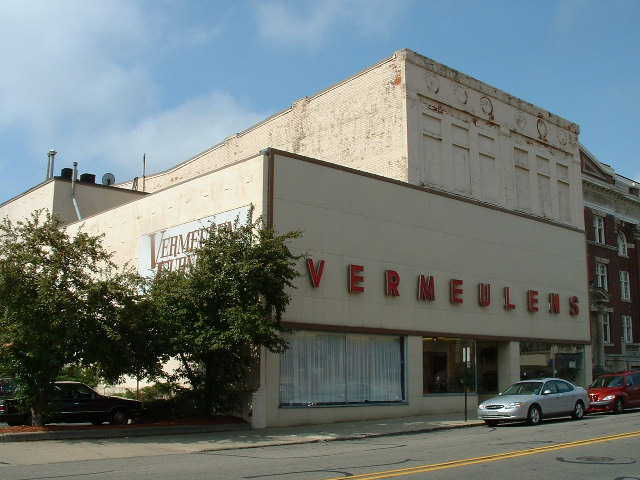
[[613, 392], [73, 402]]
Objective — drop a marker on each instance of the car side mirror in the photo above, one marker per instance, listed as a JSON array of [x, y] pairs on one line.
[[547, 392]]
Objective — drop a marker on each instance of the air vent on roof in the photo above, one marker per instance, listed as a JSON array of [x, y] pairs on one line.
[[66, 173], [88, 178]]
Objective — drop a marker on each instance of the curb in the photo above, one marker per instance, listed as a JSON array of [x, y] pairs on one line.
[[192, 429], [117, 433], [342, 438]]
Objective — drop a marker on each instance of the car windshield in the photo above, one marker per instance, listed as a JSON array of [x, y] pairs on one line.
[[524, 388], [609, 381]]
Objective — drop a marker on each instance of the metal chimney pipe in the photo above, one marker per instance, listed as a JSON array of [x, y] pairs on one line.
[[74, 179], [50, 166]]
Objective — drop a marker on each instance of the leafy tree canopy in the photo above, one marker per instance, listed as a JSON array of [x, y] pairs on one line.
[[225, 306], [63, 302]]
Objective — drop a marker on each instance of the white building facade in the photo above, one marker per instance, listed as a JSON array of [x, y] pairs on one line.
[[443, 237]]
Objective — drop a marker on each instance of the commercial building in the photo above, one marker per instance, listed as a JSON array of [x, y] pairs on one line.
[[443, 229], [612, 223]]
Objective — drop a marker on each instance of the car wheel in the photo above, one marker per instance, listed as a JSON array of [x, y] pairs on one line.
[[578, 410], [97, 422], [119, 417], [491, 423], [534, 417], [618, 407]]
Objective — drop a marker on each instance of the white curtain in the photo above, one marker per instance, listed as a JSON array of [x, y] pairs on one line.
[[320, 368]]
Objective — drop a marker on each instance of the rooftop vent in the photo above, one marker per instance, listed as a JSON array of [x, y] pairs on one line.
[[66, 173], [88, 178]]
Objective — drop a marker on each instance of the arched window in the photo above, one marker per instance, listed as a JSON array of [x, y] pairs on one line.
[[622, 245]]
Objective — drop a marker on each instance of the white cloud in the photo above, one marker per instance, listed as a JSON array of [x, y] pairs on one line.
[[167, 138], [77, 76], [310, 23]]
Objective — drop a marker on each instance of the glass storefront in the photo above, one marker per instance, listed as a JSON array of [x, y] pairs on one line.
[[337, 369], [540, 359], [487, 370], [447, 365]]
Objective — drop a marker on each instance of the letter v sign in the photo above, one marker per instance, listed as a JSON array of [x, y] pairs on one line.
[[315, 272]]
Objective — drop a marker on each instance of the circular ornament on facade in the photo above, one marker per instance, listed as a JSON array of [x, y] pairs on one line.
[[542, 128], [432, 81], [563, 138], [521, 120], [486, 105], [461, 95]]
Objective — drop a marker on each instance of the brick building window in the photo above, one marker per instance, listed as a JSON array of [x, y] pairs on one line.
[[601, 276], [598, 229], [625, 289], [622, 245], [605, 325], [627, 329]]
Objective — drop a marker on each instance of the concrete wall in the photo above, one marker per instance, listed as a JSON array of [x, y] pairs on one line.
[[473, 139], [91, 199], [359, 122], [382, 225], [230, 188], [21, 206], [385, 225], [413, 119], [55, 196]]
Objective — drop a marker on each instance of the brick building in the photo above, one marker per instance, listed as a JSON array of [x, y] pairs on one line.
[[612, 227]]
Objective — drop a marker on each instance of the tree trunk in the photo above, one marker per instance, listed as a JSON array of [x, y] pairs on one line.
[[37, 410], [209, 380], [190, 374]]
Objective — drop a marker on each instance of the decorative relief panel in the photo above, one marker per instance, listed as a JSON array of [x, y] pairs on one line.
[[486, 106], [432, 82], [542, 129], [462, 96]]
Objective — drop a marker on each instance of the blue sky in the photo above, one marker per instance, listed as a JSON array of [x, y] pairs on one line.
[[104, 82]]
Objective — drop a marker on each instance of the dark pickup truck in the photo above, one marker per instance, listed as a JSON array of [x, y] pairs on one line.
[[72, 402]]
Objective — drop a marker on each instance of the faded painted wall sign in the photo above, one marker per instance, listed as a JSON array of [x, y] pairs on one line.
[[174, 248]]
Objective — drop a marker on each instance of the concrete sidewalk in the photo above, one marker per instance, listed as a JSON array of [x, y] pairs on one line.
[[222, 437]]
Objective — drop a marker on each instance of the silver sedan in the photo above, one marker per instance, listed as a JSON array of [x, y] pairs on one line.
[[533, 400]]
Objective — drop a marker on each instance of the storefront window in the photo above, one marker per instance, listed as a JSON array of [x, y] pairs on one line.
[[487, 361], [539, 360], [333, 369], [448, 364]]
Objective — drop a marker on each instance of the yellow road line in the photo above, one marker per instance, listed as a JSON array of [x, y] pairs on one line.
[[485, 459]]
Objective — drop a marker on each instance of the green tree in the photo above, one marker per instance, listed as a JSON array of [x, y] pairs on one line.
[[225, 306], [63, 302]]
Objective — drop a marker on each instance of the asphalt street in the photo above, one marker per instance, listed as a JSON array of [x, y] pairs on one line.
[[597, 447]]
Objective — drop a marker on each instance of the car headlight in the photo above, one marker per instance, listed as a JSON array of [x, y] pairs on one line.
[[609, 397], [512, 405]]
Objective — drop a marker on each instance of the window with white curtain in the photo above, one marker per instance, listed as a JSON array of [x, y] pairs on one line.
[[601, 276], [623, 249], [625, 288], [333, 369], [598, 229]]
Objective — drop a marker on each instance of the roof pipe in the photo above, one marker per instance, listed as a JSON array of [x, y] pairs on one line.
[[51, 158], [74, 179]]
